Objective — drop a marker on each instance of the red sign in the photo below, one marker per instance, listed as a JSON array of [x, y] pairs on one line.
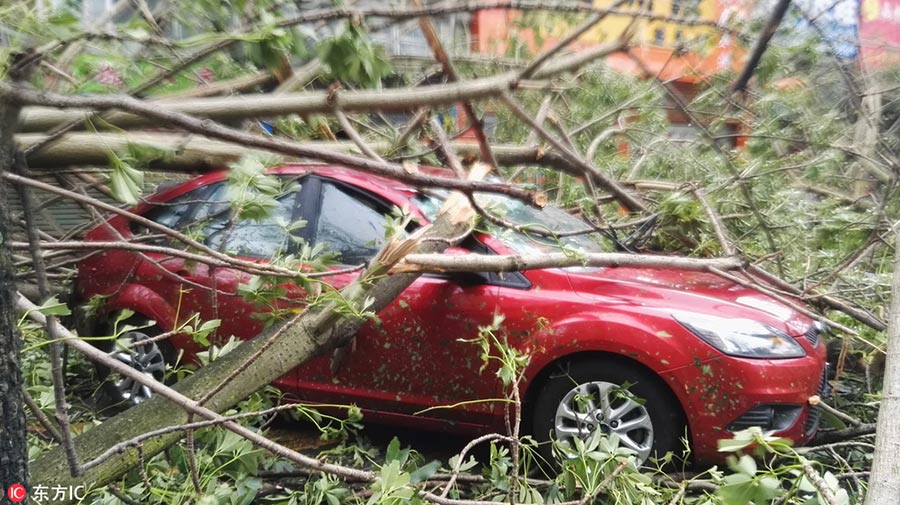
[[879, 31]]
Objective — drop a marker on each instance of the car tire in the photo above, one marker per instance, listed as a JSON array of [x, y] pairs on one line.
[[151, 359], [578, 397]]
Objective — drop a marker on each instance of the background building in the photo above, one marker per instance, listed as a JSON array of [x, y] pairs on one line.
[[879, 32]]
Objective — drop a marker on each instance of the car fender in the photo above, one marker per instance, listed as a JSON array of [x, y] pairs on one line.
[[143, 300], [660, 347]]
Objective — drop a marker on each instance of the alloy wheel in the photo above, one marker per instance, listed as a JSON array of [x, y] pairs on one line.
[[609, 408], [145, 357]]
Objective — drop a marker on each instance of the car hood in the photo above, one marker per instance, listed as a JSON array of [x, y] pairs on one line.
[[685, 290]]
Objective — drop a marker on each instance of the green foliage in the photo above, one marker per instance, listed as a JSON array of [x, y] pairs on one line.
[[252, 192], [494, 348], [352, 57], [787, 482], [324, 490], [599, 465], [216, 351], [53, 307], [274, 46], [682, 226], [126, 176], [332, 427], [125, 182]]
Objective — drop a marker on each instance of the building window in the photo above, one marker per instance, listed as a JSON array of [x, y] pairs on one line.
[[659, 36]]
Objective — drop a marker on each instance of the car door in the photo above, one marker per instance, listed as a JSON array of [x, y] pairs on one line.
[[214, 292], [411, 357]]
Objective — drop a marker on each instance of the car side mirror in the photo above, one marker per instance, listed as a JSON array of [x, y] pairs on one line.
[[462, 278]]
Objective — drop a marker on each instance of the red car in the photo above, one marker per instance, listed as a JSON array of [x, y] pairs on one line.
[[700, 356]]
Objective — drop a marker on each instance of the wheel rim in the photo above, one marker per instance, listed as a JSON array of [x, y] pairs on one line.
[[605, 406], [147, 358]]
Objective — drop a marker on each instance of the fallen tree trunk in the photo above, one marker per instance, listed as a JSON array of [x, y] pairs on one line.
[[256, 362], [884, 482], [212, 129], [38, 119], [193, 154]]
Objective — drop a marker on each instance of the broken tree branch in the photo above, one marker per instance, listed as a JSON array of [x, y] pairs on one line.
[[630, 201], [322, 102], [511, 263], [211, 129], [199, 154], [761, 43], [440, 54]]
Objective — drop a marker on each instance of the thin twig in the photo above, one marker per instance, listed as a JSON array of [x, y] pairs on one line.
[[41, 417], [716, 222], [839, 414], [355, 136], [542, 58], [761, 43], [446, 148], [461, 457], [630, 201], [443, 58], [821, 486]]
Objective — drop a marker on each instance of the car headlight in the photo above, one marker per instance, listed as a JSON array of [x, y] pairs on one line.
[[741, 337]]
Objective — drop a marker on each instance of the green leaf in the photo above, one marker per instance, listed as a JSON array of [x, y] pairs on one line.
[[395, 453], [746, 465], [740, 440], [466, 466], [351, 56], [738, 489], [424, 472], [126, 182], [54, 307], [64, 18]]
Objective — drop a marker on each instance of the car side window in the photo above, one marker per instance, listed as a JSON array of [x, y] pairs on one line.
[[177, 212], [351, 225], [252, 238], [183, 211]]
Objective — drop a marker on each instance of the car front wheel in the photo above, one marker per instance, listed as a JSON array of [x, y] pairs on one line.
[[136, 349], [581, 397]]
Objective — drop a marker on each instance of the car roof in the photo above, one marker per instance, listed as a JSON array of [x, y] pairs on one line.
[[346, 174]]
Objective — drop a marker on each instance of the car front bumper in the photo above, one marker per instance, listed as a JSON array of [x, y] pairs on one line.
[[726, 394]]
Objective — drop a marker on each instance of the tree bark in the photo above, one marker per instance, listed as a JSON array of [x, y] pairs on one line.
[[884, 481], [13, 444], [198, 154], [36, 119], [273, 353], [509, 263]]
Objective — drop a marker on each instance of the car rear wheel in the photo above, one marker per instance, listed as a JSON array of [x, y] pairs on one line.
[[581, 397], [136, 349]]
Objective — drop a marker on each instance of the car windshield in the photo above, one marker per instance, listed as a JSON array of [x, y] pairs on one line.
[[542, 221]]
